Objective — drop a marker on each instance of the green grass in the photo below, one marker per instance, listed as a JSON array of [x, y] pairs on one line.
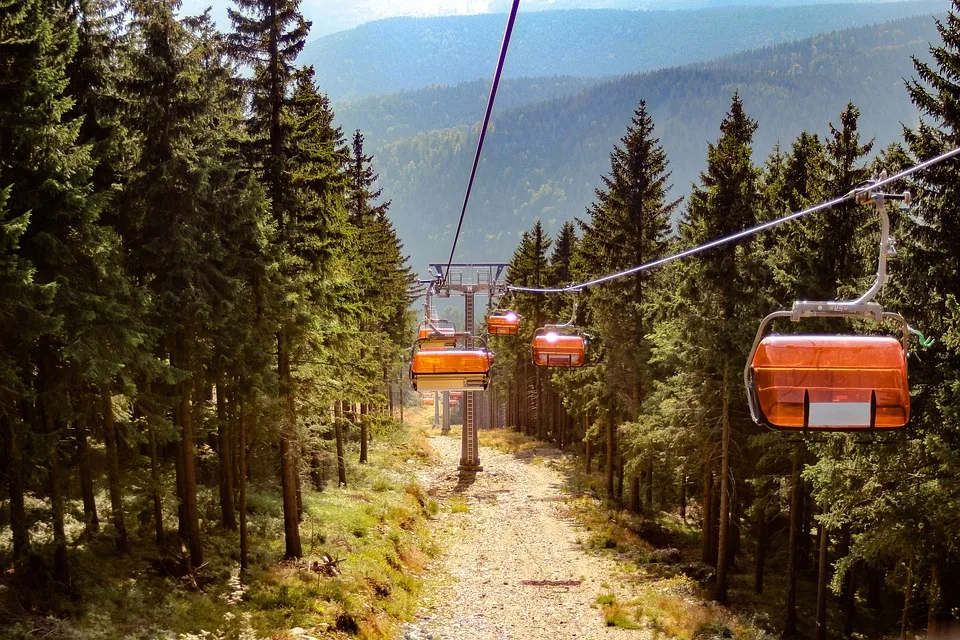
[[374, 531], [459, 504]]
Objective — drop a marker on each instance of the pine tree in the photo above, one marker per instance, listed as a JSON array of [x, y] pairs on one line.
[[268, 36], [629, 225], [717, 292], [529, 268]]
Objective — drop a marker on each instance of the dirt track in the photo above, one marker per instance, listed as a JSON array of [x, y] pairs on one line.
[[514, 531]]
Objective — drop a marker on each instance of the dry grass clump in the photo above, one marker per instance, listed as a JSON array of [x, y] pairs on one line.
[[507, 440]]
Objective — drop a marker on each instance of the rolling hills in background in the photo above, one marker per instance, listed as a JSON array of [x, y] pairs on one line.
[[410, 53], [545, 160]]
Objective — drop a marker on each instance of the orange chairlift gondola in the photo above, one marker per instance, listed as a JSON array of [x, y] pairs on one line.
[[559, 345], [834, 383], [436, 328], [503, 322], [427, 399], [451, 365]]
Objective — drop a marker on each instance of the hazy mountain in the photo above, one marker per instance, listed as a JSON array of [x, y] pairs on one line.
[[399, 115], [331, 16], [545, 160], [406, 53]]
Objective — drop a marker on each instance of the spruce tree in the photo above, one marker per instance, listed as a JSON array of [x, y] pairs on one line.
[[268, 36], [718, 292]]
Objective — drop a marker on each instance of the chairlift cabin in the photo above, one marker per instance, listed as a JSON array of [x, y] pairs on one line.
[[823, 382], [558, 347], [449, 368], [833, 382], [428, 400], [436, 327], [503, 323], [454, 397]]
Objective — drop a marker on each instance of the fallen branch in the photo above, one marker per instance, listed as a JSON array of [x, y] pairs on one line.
[[551, 583]]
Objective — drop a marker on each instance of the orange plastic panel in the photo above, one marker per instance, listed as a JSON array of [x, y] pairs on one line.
[[840, 376], [456, 395], [552, 349], [429, 361], [506, 323], [428, 401], [426, 332]]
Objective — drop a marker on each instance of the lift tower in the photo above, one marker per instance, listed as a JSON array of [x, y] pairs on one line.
[[469, 279]]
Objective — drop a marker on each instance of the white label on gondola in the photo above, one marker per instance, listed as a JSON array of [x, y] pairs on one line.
[[839, 414]]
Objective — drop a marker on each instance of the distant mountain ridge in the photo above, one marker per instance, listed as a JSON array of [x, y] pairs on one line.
[[544, 160], [390, 55]]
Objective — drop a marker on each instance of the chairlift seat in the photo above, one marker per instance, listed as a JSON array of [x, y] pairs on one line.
[[428, 332], [503, 323], [552, 349], [451, 370], [838, 383]]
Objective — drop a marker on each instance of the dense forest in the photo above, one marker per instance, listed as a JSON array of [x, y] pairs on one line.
[[543, 161], [866, 525], [410, 53], [201, 292]]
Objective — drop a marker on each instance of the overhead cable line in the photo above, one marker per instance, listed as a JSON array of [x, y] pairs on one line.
[[574, 288], [483, 129]]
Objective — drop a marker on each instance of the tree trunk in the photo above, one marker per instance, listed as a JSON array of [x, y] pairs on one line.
[[364, 410], [635, 493], [338, 434], [907, 601], [288, 459], [113, 470], [938, 615], [650, 483], [806, 524], [849, 584], [14, 471], [619, 473], [610, 449], [242, 479], [821, 621], [722, 557], [90, 517], [761, 555], [188, 446], [183, 528], [155, 487], [228, 517], [61, 570], [793, 557], [683, 497], [706, 526]]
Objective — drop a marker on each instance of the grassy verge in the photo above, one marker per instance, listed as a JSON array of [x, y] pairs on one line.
[[365, 547]]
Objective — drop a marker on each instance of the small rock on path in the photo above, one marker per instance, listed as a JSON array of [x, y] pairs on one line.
[[514, 531]]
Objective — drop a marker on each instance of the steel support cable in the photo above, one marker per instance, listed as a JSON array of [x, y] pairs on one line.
[[574, 288], [483, 129]]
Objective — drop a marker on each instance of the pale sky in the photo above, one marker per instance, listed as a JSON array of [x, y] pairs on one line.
[[329, 16]]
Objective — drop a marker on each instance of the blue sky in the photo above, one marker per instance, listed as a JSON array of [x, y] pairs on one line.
[[329, 16]]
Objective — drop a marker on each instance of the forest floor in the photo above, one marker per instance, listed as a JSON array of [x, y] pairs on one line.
[[513, 566]]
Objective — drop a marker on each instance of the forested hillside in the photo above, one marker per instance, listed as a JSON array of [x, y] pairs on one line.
[[394, 116], [406, 53], [544, 161]]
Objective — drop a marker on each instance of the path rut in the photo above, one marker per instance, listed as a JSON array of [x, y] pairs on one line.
[[515, 530]]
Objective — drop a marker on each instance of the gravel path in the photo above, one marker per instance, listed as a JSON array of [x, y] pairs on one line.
[[514, 531]]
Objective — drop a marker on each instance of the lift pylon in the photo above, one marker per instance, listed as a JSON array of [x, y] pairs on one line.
[[468, 279]]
